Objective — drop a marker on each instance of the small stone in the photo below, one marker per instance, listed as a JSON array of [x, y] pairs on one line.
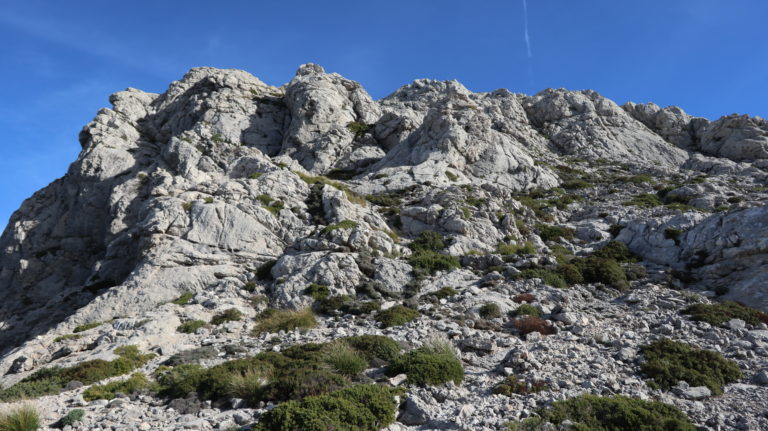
[[737, 324], [398, 379]]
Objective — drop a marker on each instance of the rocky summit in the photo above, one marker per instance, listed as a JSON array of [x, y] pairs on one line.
[[236, 256]]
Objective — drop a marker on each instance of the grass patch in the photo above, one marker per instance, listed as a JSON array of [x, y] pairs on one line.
[[319, 179], [490, 310], [87, 326], [22, 418], [375, 347], [667, 362], [272, 320], [396, 316], [513, 386], [719, 314], [554, 233], [317, 291], [548, 276], [445, 292], [66, 337], [510, 249], [451, 176], [48, 381], [70, 418], [138, 382], [184, 298], [344, 224], [527, 310], [644, 200], [359, 128]]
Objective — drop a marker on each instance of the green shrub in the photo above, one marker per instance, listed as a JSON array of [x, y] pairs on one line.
[[451, 176], [334, 305], [576, 184], [644, 200], [344, 359], [23, 418], [375, 347], [359, 408], [617, 251], [549, 277], [87, 326], [640, 179], [136, 383], [184, 298], [672, 233], [321, 180], [179, 381], [272, 320], [208, 200], [490, 311], [570, 273], [428, 241], [602, 270], [296, 382], [509, 249], [667, 362], [527, 310], [445, 292], [52, 380], [384, 199], [432, 261], [191, 326], [359, 128], [317, 291], [719, 314], [428, 366], [616, 413], [396, 316], [554, 233], [192, 356], [265, 270], [70, 418], [344, 224], [228, 315], [514, 386], [66, 337]]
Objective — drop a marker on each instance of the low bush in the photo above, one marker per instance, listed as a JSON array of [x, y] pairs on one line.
[[359, 128], [22, 418], [317, 291], [396, 316], [490, 311], [719, 314], [668, 362], [602, 270], [359, 408], [451, 176], [617, 251], [272, 320], [375, 347], [192, 356], [344, 224], [616, 413], [191, 326], [527, 310], [87, 326], [344, 359], [138, 382], [265, 270], [49, 381], [644, 200], [228, 315], [514, 386], [428, 241], [549, 277], [432, 262], [445, 292], [334, 305], [70, 418], [66, 337], [429, 365], [184, 298], [554, 233], [527, 324]]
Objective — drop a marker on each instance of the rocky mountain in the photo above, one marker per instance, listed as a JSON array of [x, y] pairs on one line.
[[547, 246]]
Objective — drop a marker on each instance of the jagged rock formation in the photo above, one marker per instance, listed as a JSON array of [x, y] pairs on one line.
[[224, 182]]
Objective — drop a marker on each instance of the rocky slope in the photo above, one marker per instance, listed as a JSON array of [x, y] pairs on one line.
[[227, 189]]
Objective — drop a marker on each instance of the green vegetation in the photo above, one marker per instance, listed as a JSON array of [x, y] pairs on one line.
[[602, 270], [433, 364], [344, 224], [644, 200], [490, 311], [49, 381], [272, 320], [87, 326], [359, 128], [527, 310], [255, 175], [351, 196], [549, 277], [184, 298], [66, 337], [554, 233], [136, 383], [265, 270], [396, 316], [384, 199], [667, 362], [228, 315], [510, 249], [22, 418], [375, 347], [451, 176], [317, 291], [345, 360], [426, 254], [191, 326], [70, 418], [719, 314], [576, 184], [208, 200], [617, 251], [445, 292], [271, 205], [616, 413], [514, 386], [216, 137], [359, 408]]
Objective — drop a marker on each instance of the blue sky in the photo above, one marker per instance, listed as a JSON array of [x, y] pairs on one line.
[[62, 59]]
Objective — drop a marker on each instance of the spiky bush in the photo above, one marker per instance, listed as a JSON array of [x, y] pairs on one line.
[[228, 315], [21, 418], [490, 311], [344, 359], [272, 320]]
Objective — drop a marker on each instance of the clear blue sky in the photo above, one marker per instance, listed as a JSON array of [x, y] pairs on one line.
[[62, 59]]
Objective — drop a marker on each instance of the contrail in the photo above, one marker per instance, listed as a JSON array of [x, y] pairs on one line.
[[527, 38]]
